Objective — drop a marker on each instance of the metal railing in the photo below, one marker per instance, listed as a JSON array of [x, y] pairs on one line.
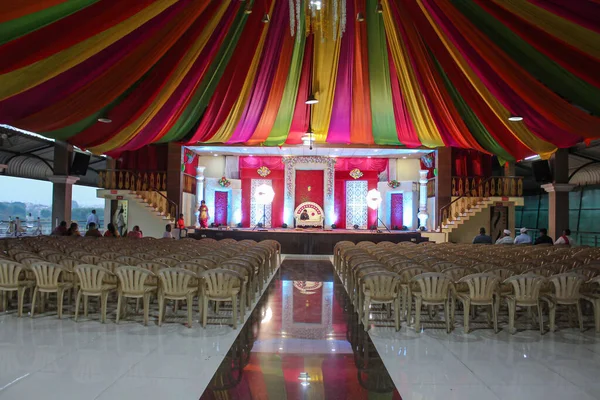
[[475, 191], [581, 238], [47, 226]]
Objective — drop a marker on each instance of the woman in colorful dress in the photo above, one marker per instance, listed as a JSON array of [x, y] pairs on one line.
[[203, 217]]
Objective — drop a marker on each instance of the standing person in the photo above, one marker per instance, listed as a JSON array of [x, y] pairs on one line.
[[482, 238], [565, 238], [544, 238], [121, 221], [167, 234], [523, 238], [92, 218], [203, 217], [506, 239]]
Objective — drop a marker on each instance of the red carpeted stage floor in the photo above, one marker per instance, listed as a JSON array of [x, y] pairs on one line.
[[311, 240]]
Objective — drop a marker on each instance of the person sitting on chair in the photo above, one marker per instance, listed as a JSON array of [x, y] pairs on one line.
[[304, 215]]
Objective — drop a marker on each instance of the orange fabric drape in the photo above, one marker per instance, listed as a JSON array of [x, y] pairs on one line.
[[361, 124], [547, 103], [114, 82], [267, 119], [13, 9]]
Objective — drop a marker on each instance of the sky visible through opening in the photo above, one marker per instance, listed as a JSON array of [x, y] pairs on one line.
[[40, 192]]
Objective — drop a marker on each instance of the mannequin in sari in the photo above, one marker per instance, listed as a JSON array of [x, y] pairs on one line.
[[203, 216]]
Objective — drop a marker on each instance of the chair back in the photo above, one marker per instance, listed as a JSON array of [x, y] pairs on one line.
[[221, 283], [458, 272], [9, 273], [132, 279], [204, 261], [434, 286], [109, 255], [78, 253], [30, 260], [166, 260], [143, 256], [56, 257], [91, 277], [190, 266], [441, 265], [153, 266], [69, 263], [567, 285], [481, 267], [526, 287], [47, 275], [22, 255], [382, 285], [406, 274], [91, 259], [481, 286], [502, 273], [176, 281]]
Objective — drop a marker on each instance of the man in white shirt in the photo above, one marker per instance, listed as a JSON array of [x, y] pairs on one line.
[[523, 238], [92, 218], [506, 239], [565, 238]]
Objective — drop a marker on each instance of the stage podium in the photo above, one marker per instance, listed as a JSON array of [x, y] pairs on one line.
[[315, 215]]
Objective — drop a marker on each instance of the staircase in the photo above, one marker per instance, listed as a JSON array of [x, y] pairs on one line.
[[476, 208], [155, 203]]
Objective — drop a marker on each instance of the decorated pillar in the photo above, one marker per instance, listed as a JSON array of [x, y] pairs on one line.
[[62, 188], [423, 215], [199, 190], [558, 194]]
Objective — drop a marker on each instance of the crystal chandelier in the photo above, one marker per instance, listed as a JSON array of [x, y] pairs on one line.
[[324, 18]]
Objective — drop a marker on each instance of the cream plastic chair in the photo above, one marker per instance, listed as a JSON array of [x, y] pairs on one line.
[[176, 284], [13, 279], [220, 285], [593, 296], [91, 259], [56, 257], [406, 275], [49, 279], [381, 288], [132, 284], [436, 289], [128, 260], [526, 293], [92, 280], [168, 261], [246, 291], [566, 292], [482, 292], [143, 256]]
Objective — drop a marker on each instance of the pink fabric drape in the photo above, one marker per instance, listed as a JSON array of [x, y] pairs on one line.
[[266, 73], [339, 127], [273, 163], [364, 164]]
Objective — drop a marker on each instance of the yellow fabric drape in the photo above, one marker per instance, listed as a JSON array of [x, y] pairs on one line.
[[519, 130], [415, 101], [169, 88], [326, 56], [32, 75], [569, 32], [228, 127]]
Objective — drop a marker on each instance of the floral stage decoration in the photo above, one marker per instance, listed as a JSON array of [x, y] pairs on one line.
[[356, 173], [224, 182], [263, 171], [393, 184]]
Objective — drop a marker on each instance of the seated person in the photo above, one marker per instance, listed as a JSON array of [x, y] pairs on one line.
[[74, 230], [523, 238], [506, 239], [60, 230], [482, 238], [93, 230], [544, 238], [135, 233], [168, 234], [111, 231], [304, 215], [565, 238], [181, 222]]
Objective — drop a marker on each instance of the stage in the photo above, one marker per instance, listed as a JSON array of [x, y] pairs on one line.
[[309, 241]]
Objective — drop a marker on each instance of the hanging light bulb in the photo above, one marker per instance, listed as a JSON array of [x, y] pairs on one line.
[[105, 120], [265, 19], [360, 17], [248, 8], [515, 118], [379, 8], [312, 99]]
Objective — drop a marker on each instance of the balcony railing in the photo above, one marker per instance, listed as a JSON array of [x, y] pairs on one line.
[[137, 181], [500, 186]]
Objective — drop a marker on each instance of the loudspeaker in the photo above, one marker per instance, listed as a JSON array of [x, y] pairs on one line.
[[541, 171], [80, 164]]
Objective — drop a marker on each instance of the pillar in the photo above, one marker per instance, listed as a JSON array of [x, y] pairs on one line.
[[174, 174], [558, 194], [199, 190], [423, 215], [443, 182], [62, 188]]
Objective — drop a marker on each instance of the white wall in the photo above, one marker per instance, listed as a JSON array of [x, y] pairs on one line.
[[215, 166], [431, 211], [149, 223], [188, 208], [407, 169]]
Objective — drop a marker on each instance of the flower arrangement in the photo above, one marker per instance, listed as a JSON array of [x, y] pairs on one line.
[[356, 173], [263, 171], [224, 182], [393, 184]]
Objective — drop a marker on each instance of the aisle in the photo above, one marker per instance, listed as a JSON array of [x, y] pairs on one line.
[[302, 342]]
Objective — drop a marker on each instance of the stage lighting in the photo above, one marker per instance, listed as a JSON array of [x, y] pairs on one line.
[[373, 199], [284, 225], [264, 194], [333, 226], [355, 226]]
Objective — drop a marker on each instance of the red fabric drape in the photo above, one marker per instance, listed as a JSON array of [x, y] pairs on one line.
[[190, 162], [339, 203], [273, 163], [364, 164], [470, 163], [278, 184], [149, 158], [312, 180], [339, 206]]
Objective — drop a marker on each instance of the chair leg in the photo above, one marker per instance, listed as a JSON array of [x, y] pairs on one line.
[[33, 298], [496, 312], [397, 313], [119, 299], [190, 304], [579, 316], [234, 316], [20, 300], [596, 305], [541, 319], [447, 316], [552, 316], [366, 313], [60, 294], [495, 315], [85, 305], [161, 309], [104, 299], [417, 314], [3, 301], [77, 302], [204, 311], [467, 307], [146, 308], [408, 306], [511, 316]]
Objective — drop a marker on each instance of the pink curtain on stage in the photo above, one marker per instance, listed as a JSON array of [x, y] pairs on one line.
[[273, 163]]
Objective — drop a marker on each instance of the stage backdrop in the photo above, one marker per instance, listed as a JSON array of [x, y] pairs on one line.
[[309, 187]]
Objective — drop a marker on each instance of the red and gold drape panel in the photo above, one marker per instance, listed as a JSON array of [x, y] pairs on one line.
[[309, 187]]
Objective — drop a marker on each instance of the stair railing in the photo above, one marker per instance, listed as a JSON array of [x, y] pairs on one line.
[[162, 203], [473, 193]]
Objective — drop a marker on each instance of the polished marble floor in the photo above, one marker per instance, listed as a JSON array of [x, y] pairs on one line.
[[303, 323]]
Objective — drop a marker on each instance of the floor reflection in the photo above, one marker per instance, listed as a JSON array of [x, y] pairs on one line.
[[302, 341]]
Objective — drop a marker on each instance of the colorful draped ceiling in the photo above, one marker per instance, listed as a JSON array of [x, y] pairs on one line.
[[420, 73]]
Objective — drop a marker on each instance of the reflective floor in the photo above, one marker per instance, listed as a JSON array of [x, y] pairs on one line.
[[302, 342]]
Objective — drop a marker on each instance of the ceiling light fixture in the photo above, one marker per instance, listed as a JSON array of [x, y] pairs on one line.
[[360, 17], [265, 19], [248, 9], [379, 8], [105, 120], [515, 118], [216, 155], [311, 99]]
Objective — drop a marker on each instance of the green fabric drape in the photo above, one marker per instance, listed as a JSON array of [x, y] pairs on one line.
[[21, 26], [197, 106], [537, 64], [477, 129], [283, 121], [382, 108]]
